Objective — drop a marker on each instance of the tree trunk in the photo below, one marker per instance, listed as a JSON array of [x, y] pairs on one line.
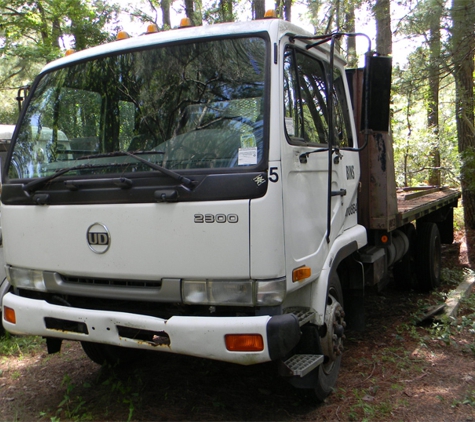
[[433, 93], [351, 57], [56, 32], [463, 47], [193, 12], [382, 14], [44, 25], [165, 7], [288, 10], [226, 10], [258, 9]]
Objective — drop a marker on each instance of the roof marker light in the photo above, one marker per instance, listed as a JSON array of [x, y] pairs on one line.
[[152, 28], [185, 22], [122, 35], [270, 14], [69, 51]]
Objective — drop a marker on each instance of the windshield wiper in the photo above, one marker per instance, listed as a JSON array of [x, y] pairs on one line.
[[185, 181], [39, 183]]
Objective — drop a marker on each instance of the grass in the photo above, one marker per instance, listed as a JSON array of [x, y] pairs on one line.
[[19, 346]]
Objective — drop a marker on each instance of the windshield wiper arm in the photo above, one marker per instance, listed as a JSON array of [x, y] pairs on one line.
[[34, 185], [189, 183], [39, 183]]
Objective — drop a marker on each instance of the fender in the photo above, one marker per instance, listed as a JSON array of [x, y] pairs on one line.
[[347, 243]]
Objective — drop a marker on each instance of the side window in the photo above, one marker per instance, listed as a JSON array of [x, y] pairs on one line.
[[341, 118], [305, 101], [305, 104]]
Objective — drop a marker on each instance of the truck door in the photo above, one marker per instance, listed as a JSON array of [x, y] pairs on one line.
[[310, 170]]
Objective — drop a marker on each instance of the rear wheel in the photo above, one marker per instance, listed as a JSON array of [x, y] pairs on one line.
[[405, 270], [428, 256], [105, 354]]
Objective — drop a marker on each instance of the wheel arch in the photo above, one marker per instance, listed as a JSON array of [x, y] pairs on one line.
[[340, 264]]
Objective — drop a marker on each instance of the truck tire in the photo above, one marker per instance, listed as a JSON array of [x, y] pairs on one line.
[[428, 256], [332, 341], [404, 271], [105, 354]]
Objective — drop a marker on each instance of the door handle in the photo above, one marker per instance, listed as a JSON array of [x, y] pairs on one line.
[[341, 192]]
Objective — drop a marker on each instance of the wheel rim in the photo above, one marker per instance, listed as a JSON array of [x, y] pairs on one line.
[[332, 343]]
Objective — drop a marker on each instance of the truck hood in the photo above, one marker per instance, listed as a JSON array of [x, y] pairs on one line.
[[131, 241]]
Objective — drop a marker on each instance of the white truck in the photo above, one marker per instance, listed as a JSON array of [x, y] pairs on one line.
[[220, 193]]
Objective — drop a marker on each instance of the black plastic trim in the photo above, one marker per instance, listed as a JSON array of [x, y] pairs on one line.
[[283, 334], [211, 187]]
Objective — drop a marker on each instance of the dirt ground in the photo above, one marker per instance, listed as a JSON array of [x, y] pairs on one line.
[[395, 370]]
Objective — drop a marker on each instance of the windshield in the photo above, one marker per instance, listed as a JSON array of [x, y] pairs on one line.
[[186, 106]]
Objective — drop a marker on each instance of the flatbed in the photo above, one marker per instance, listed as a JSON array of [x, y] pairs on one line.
[[414, 203]]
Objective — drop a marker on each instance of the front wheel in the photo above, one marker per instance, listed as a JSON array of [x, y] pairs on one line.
[[331, 341], [104, 354]]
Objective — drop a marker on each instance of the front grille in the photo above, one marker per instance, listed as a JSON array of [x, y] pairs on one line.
[[112, 282]]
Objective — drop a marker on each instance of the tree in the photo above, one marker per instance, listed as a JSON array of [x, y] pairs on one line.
[[39, 29], [151, 15], [382, 14], [258, 9], [435, 15], [193, 12], [165, 7], [34, 32], [462, 46]]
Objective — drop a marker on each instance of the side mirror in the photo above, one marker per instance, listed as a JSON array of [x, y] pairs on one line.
[[376, 100]]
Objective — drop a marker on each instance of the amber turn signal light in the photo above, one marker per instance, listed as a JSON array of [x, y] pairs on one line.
[[9, 315], [244, 342], [301, 273]]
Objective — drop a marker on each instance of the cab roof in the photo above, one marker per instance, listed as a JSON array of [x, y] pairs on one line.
[[276, 28]]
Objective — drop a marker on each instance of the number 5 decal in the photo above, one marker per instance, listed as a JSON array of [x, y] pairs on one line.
[[273, 175]]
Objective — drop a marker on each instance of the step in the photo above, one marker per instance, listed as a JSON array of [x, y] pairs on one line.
[[301, 365], [304, 315]]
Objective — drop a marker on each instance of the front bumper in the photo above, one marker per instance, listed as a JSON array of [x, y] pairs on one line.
[[188, 335]]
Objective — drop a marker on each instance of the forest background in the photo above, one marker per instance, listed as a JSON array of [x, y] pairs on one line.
[[432, 106]]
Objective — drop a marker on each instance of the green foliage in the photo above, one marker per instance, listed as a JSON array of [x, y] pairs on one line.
[[219, 11], [34, 33], [19, 346], [124, 392], [71, 407], [414, 142]]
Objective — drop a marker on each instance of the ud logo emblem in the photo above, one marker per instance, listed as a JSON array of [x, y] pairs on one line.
[[98, 238]]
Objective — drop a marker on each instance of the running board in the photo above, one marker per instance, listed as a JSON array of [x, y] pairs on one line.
[[300, 365], [304, 315]]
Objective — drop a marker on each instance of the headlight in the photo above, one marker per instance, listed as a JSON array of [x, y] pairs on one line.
[[270, 293], [233, 293], [218, 292], [24, 278]]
